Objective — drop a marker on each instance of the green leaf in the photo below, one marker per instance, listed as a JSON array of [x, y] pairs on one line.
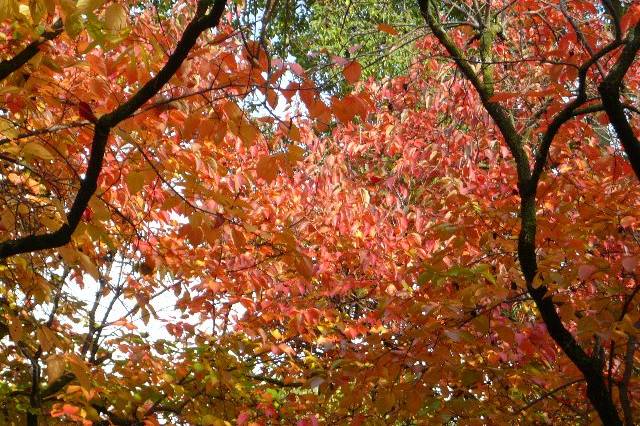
[[73, 24], [89, 5]]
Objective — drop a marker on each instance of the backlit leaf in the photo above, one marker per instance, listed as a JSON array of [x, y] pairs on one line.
[[35, 149], [115, 17], [55, 367], [267, 168], [352, 72]]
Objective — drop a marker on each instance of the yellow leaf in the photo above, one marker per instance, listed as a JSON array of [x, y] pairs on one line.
[[23, 209], [8, 9], [100, 209], [7, 220], [145, 316], [88, 266], [79, 369], [135, 182], [366, 198], [73, 24], [47, 338], [384, 401], [68, 255], [15, 328], [7, 128], [115, 18], [37, 9], [481, 324], [276, 333], [89, 5], [50, 5], [52, 223], [34, 149], [55, 368]]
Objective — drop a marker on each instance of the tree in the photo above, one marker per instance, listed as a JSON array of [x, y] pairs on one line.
[[595, 47], [319, 34], [56, 153], [195, 231]]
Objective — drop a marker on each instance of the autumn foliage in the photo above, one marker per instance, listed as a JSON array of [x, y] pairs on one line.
[[194, 231]]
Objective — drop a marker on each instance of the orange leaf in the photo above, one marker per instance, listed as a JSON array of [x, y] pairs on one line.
[[295, 153], [238, 238], [630, 263], [341, 110], [248, 133], [70, 409], [15, 328], [352, 72], [267, 168], [304, 266], [386, 28], [503, 96]]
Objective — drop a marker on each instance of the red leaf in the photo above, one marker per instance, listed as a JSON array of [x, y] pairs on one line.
[[84, 110], [631, 18], [630, 263], [297, 69], [585, 271], [243, 418]]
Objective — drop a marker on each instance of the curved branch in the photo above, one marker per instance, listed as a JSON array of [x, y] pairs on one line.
[[201, 22], [589, 366], [610, 91], [568, 111], [8, 66], [495, 110]]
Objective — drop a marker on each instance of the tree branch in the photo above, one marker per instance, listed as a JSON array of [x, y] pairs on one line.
[[103, 126], [8, 66], [624, 383], [495, 110], [567, 112], [610, 91], [547, 395], [57, 386], [589, 366]]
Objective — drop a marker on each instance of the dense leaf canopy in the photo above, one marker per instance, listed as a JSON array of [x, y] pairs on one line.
[[319, 212]]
